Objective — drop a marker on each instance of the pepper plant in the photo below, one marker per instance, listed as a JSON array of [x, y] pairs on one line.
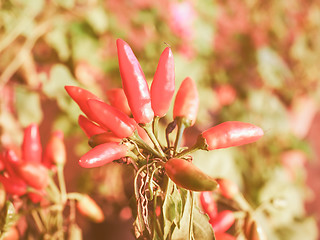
[[165, 179]]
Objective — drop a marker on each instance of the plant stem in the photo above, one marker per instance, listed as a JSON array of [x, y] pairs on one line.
[[155, 125], [143, 145], [177, 142], [147, 127], [187, 151], [38, 221], [62, 184], [191, 216]]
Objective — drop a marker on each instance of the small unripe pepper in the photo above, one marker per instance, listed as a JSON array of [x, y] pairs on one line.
[[163, 84], [31, 145], [188, 176], [229, 134], [89, 208], [117, 98], [223, 221], [89, 127], [103, 154], [187, 102], [112, 119], [134, 84]]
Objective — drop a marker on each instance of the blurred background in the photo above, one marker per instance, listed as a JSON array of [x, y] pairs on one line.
[[253, 61]]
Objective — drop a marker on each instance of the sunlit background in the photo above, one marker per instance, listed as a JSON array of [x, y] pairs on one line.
[[253, 61]]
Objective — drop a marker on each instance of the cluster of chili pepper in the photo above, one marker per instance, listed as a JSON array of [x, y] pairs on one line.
[[222, 221], [126, 129]]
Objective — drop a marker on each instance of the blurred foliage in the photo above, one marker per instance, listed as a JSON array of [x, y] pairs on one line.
[[253, 61]]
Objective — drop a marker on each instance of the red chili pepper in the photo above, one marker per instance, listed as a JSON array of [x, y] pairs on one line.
[[31, 146], [230, 134], [80, 96], [111, 118], [103, 154], [55, 152], [224, 236], [187, 102], [89, 127], [208, 204], [34, 174], [188, 176], [223, 221], [163, 85], [35, 197], [2, 166], [227, 188], [134, 84], [118, 99], [101, 138], [13, 186], [89, 208], [11, 161]]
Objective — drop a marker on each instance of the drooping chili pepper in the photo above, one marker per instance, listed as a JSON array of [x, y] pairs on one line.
[[55, 152], [13, 186], [227, 188], [89, 208], [163, 84], [11, 161], [223, 221], [134, 84], [224, 236], [89, 127], [188, 176], [117, 98], [80, 96], [252, 230], [34, 174], [101, 138], [208, 204], [187, 102], [111, 118], [229, 134], [103, 154], [31, 145]]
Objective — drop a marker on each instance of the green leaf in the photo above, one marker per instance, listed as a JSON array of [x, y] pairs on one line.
[[7, 217], [98, 20], [58, 40], [28, 106], [169, 211], [201, 227]]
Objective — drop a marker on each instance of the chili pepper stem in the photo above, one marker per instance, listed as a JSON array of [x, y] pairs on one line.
[[38, 221], [181, 127], [191, 216], [62, 183], [74, 196], [187, 151], [135, 137], [147, 127], [155, 125]]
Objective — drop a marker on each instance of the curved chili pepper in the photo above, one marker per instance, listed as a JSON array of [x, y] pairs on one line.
[[101, 138], [55, 152], [227, 188], [188, 176], [11, 161], [117, 98], [80, 96], [208, 204], [252, 230], [223, 221], [13, 186], [134, 84], [224, 236], [31, 145], [103, 154], [89, 127], [111, 118], [230, 134], [89, 208], [187, 102], [34, 174], [163, 84]]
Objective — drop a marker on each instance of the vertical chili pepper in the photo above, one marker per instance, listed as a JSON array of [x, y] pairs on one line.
[[134, 84], [163, 84], [117, 98], [230, 134], [89, 127], [187, 102], [188, 176], [223, 221], [208, 204], [111, 118], [80, 96], [31, 146], [103, 154], [55, 152]]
